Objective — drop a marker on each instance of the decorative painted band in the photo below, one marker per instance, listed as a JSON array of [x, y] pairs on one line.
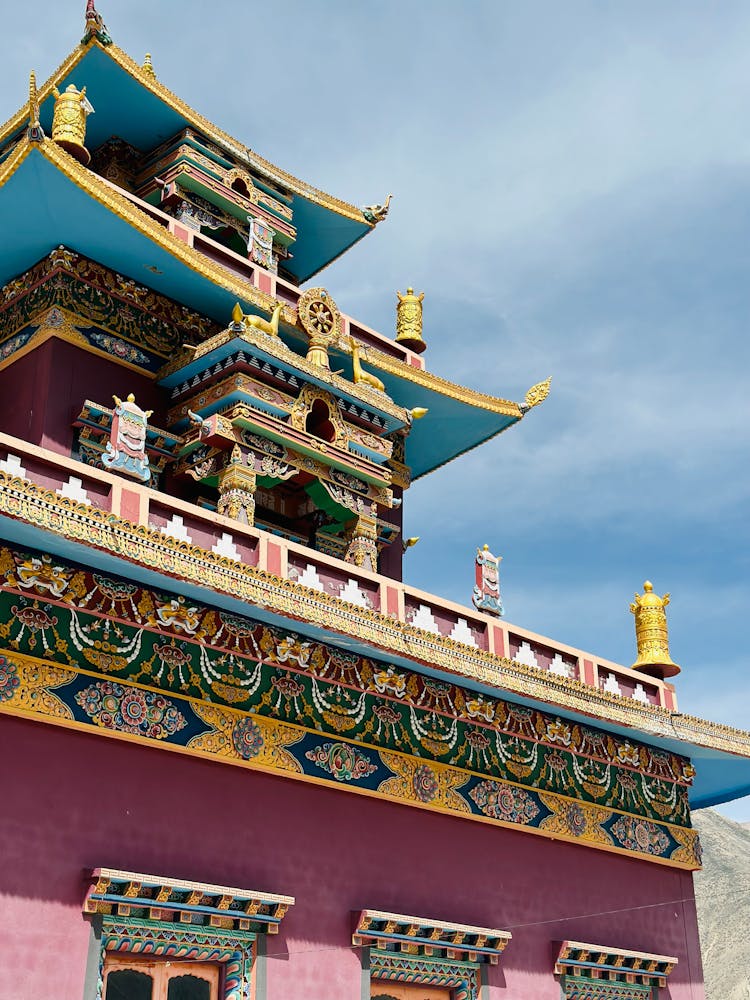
[[81, 700], [128, 633]]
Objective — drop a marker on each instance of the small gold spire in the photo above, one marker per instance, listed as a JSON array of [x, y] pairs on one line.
[[538, 393], [651, 634], [409, 321], [148, 67], [35, 129]]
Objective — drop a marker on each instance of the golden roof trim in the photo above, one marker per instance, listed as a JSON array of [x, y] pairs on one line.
[[428, 380], [233, 146], [25, 501]]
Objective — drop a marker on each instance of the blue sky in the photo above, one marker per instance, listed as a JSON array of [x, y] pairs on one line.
[[572, 193]]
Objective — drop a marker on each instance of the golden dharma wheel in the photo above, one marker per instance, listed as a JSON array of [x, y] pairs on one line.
[[319, 317]]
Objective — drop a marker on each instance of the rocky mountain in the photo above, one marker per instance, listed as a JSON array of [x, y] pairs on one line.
[[722, 893]]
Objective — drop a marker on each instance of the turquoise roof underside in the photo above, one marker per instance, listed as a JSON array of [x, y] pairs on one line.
[[43, 209], [720, 776], [125, 108]]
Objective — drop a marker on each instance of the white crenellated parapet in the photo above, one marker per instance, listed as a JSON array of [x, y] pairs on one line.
[[639, 694], [74, 490], [309, 578], [175, 528], [225, 547], [559, 666], [11, 466], [526, 655], [350, 592], [423, 618], [462, 633], [611, 685]]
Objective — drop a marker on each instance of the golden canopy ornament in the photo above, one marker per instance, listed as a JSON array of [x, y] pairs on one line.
[[537, 393], [69, 122], [409, 320], [651, 634]]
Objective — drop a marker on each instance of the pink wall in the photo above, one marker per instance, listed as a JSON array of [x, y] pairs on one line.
[[72, 801]]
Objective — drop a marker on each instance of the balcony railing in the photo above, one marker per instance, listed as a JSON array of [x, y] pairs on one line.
[[429, 616]]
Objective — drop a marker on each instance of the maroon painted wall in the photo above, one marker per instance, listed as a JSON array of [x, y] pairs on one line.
[[72, 801], [43, 392]]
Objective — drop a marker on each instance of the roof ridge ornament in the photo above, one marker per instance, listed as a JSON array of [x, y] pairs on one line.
[[95, 26], [536, 394], [35, 131], [376, 213], [148, 67]]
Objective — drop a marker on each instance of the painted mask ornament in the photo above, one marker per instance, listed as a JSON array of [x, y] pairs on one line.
[[486, 595], [126, 448]]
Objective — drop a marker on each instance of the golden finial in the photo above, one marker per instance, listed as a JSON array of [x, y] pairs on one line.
[[33, 100], [537, 393], [409, 320], [148, 67], [95, 26], [409, 543], [35, 129], [651, 634], [417, 412], [69, 122]]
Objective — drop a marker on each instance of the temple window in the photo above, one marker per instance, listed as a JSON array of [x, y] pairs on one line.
[[318, 422], [240, 187], [131, 978], [412, 958], [597, 972], [167, 939]]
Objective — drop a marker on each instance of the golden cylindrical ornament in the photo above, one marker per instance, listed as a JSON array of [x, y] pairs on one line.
[[651, 634], [409, 321], [69, 122]]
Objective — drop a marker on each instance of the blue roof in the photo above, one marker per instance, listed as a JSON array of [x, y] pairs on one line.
[[141, 114]]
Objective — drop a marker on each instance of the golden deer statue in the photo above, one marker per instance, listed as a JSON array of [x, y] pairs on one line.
[[257, 322], [360, 375]]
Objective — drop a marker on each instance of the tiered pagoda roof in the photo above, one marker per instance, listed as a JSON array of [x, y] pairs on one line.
[[231, 380]]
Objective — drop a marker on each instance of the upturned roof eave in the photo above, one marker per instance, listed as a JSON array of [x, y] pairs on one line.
[[194, 118]]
